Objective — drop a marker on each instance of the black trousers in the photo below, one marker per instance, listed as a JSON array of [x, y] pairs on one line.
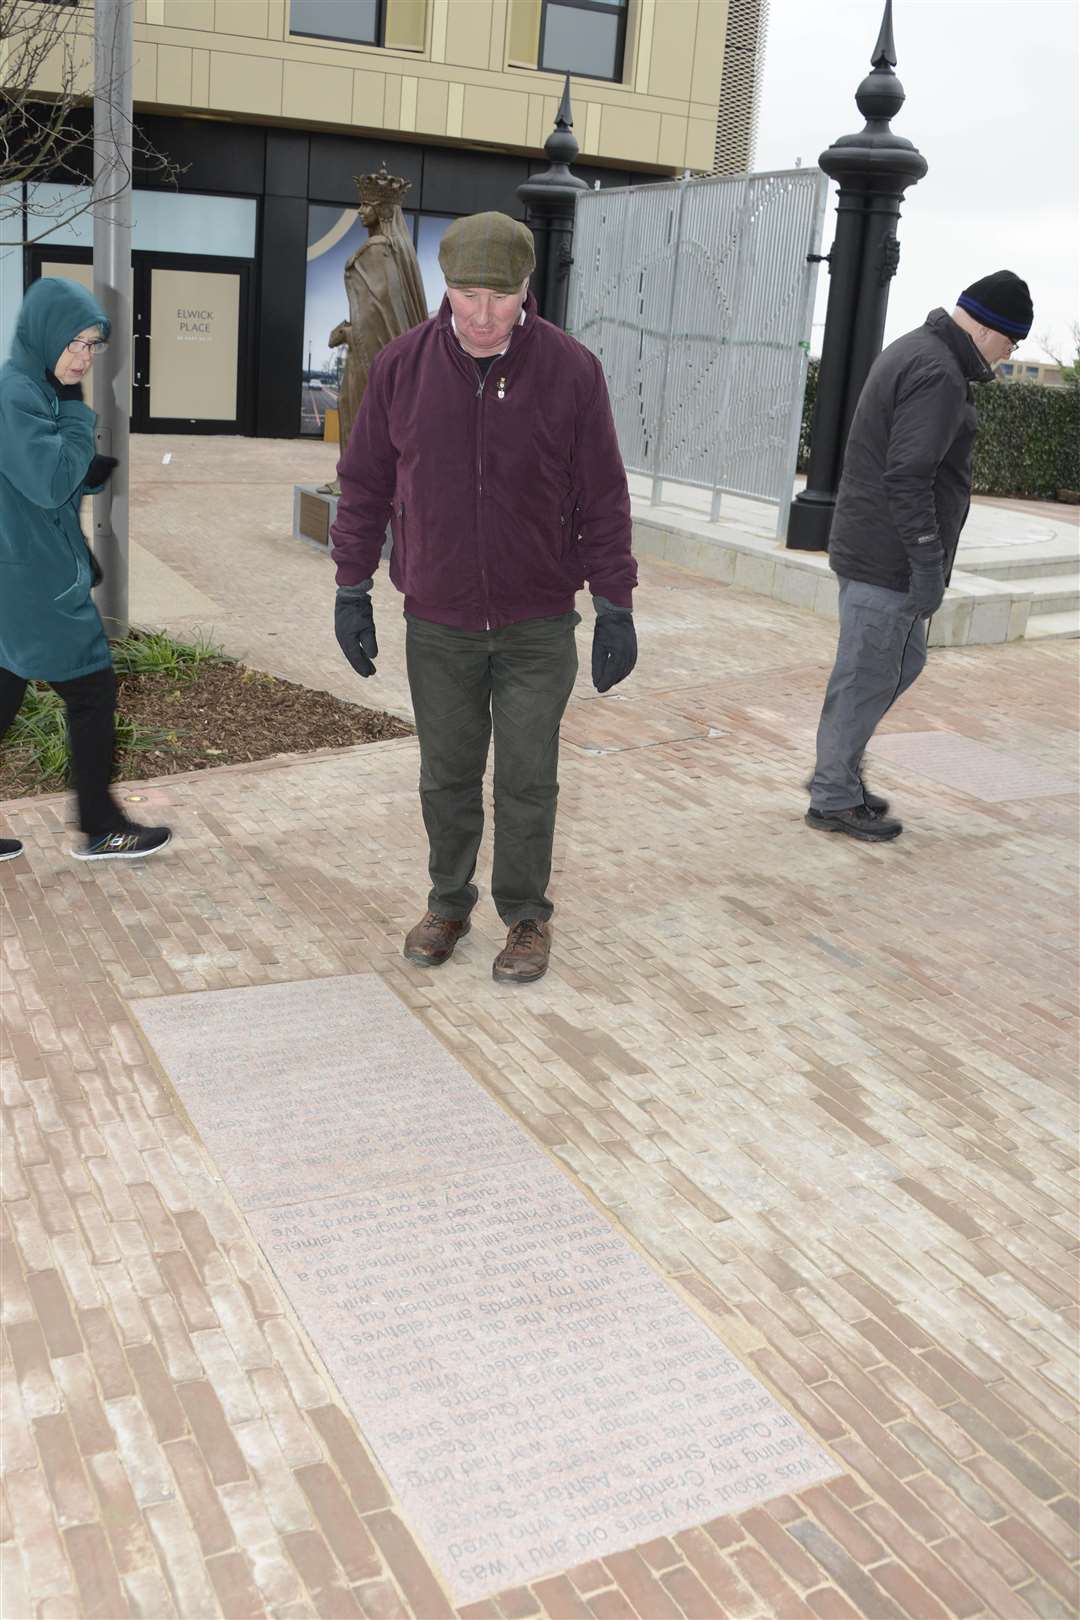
[[90, 701]]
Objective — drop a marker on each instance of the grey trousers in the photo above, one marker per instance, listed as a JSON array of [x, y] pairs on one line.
[[466, 684], [881, 651]]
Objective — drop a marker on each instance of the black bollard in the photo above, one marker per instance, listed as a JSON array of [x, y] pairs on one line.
[[549, 199], [874, 169]]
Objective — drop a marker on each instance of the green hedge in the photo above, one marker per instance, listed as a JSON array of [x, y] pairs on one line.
[[808, 413], [1027, 445]]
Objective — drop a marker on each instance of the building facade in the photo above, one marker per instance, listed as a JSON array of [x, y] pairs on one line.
[[272, 107], [1031, 371]]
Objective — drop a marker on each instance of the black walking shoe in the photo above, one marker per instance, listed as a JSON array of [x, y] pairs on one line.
[[129, 843], [858, 822], [9, 848], [872, 801]]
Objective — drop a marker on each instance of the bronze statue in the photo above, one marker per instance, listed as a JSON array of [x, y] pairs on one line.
[[384, 287]]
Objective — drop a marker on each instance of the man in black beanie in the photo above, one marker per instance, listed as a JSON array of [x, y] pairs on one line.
[[903, 499]]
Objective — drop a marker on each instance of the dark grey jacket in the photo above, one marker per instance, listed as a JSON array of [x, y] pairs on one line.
[[906, 484]]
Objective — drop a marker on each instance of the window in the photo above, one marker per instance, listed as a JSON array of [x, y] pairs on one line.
[[1006, 369], [334, 234], [584, 37], [430, 231], [1033, 371], [357, 22]]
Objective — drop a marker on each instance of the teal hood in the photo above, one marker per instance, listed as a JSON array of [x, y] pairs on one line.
[[49, 627], [52, 313]]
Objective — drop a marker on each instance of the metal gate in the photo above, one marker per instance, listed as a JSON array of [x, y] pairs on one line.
[[697, 298]]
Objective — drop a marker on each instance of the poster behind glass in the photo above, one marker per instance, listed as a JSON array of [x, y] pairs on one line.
[[334, 234]]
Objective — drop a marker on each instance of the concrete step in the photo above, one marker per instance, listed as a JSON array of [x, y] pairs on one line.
[[1058, 560], [1049, 593], [1047, 626], [980, 609]]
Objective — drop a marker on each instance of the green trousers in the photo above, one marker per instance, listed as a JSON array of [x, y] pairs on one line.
[[466, 684]]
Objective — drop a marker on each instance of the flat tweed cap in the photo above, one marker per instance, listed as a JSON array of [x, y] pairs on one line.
[[487, 250]]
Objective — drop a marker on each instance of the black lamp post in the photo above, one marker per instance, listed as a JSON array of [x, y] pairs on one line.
[[549, 199], [874, 169]]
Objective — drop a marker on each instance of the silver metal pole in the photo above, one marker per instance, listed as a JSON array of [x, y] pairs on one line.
[[807, 297], [113, 49], [741, 294], [658, 444]]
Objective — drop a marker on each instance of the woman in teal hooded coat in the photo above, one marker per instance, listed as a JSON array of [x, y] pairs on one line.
[[50, 629]]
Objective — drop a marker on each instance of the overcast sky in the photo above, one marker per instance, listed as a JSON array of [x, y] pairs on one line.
[[992, 106]]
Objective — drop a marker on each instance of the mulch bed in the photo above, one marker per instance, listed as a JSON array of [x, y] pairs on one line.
[[226, 715]]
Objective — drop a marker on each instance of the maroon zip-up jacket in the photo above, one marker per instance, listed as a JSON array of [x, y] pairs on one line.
[[505, 491]]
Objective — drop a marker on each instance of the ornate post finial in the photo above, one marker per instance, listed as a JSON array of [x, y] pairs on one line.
[[881, 95], [549, 199], [885, 50], [561, 146], [564, 118]]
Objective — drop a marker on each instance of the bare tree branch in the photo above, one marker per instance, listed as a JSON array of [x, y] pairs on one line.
[[46, 124], [1044, 340]]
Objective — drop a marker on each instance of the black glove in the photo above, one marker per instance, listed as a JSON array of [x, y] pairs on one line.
[[63, 390], [927, 585], [614, 647], [354, 626], [99, 471]]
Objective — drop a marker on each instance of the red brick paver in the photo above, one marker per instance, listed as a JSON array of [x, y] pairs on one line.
[[828, 1088]]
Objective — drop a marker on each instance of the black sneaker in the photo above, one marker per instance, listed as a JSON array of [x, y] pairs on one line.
[[858, 822], [130, 843], [9, 848]]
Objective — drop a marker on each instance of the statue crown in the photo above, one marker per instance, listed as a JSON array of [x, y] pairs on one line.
[[381, 187]]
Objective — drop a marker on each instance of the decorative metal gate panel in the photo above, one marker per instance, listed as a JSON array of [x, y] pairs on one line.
[[697, 298]]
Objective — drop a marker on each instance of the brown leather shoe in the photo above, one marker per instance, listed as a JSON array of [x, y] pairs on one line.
[[524, 957], [433, 939]]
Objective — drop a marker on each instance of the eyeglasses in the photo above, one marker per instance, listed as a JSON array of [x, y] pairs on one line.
[[89, 346]]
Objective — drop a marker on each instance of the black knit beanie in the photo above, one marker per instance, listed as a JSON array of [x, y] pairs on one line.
[[1001, 302]]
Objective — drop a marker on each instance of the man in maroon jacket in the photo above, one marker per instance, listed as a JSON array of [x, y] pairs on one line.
[[486, 438]]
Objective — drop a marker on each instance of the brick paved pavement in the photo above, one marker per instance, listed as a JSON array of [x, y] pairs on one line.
[[828, 1088]]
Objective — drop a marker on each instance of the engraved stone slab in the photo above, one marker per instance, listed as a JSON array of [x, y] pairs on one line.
[[300, 1092], [970, 766], [535, 1392]]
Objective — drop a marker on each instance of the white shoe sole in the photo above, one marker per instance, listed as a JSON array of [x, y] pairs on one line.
[[120, 854], [12, 854]]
